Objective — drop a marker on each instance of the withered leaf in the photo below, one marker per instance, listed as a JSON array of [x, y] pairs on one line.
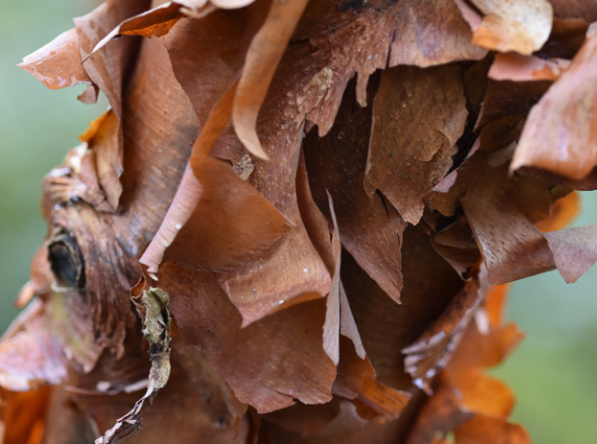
[[152, 305], [560, 132]]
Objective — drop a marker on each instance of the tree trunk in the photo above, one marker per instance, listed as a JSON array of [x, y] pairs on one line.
[[295, 221]]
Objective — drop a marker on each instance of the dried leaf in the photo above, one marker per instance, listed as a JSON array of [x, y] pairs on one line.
[[152, 306], [559, 133]]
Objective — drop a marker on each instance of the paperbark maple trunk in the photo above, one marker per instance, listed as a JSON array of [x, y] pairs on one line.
[[294, 222]]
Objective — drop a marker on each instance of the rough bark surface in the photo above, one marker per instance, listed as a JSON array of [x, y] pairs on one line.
[[291, 223]]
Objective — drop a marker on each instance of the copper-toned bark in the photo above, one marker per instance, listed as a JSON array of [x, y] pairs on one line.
[[218, 270], [414, 134], [560, 135]]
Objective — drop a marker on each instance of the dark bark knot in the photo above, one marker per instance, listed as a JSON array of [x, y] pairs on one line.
[[66, 261]]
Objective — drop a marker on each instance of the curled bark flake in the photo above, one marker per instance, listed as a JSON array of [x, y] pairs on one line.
[[431, 352], [414, 133], [511, 246], [369, 232], [521, 26], [560, 133], [29, 354], [574, 250], [264, 54], [491, 431], [522, 68], [207, 318], [107, 68], [102, 138], [432, 36], [58, 65]]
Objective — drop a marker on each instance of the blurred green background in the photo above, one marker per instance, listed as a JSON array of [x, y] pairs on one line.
[[552, 373]]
